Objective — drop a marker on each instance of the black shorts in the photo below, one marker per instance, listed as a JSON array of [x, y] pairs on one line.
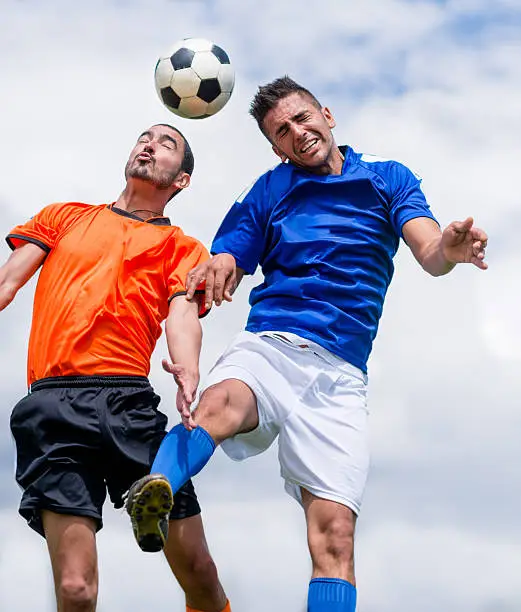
[[79, 437]]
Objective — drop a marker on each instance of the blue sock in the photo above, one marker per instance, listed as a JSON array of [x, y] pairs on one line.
[[331, 595], [183, 454]]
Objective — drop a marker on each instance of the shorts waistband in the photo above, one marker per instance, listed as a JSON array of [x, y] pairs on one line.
[[89, 381]]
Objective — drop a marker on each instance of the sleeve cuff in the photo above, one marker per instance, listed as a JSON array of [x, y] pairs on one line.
[[13, 240], [203, 311]]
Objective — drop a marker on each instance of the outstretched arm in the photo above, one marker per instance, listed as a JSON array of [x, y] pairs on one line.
[[184, 336], [222, 278], [438, 252], [18, 269]]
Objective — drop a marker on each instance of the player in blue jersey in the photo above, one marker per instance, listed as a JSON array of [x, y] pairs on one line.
[[324, 226]]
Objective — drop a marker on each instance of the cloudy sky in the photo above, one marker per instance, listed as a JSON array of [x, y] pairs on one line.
[[435, 84]]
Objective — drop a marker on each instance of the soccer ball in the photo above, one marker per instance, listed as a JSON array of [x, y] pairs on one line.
[[196, 79]]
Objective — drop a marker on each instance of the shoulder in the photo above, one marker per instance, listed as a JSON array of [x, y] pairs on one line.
[[275, 181], [185, 241], [61, 212], [388, 169]]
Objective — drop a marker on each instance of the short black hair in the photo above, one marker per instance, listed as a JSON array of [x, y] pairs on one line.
[[269, 95], [188, 158]]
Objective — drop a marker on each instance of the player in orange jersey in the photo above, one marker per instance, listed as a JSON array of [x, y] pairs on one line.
[[110, 274]]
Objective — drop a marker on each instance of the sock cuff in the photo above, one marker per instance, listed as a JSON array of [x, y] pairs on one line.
[[332, 581], [200, 434], [333, 590], [225, 609]]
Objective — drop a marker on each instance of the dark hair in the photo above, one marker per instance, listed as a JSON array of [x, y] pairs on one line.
[[269, 95], [188, 158]]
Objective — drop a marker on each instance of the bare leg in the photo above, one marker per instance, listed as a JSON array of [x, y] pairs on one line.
[[187, 554], [71, 541], [331, 529], [226, 409]]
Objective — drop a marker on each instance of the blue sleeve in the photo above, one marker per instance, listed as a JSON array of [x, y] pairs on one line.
[[242, 232], [407, 200]]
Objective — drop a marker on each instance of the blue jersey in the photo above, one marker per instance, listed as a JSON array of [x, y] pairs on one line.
[[326, 246]]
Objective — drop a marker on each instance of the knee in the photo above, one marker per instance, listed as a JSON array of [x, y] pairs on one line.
[[216, 414], [78, 593], [213, 403], [204, 571], [199, 572]]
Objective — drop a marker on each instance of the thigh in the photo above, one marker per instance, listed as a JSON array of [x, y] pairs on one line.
[[71, 541]]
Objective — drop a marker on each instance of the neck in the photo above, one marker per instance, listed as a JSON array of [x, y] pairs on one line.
[[144, 202], [332, 165]]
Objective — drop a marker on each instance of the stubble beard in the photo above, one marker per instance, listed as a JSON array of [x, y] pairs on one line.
[[146, 172]]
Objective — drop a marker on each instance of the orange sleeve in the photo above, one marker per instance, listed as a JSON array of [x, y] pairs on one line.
[[43, 228], [188, 253]]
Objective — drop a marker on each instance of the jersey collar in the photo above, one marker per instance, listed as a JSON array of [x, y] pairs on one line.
[[152, 220]]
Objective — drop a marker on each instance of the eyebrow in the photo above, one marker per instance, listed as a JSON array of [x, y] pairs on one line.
[[170, 138], [295, 117], [162, 138]]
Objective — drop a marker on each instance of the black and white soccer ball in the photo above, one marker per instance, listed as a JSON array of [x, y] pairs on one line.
[[196, 79]]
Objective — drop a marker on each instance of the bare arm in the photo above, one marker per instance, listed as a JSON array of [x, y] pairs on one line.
[[17, 270], [222, 278], [184, 336], [438, 252]]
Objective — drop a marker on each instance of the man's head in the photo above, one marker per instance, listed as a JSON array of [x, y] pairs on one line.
[[295, 123], [162, 157]]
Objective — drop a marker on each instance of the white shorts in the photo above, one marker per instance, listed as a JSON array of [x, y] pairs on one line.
[[314, 402]]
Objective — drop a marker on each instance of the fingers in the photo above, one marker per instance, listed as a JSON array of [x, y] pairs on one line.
[[189, 423], [479, 234], [209, 289], [463, 226], [230, 286], [172, 368], [183, 406], [219, 286], [193, 279], [479, 263]]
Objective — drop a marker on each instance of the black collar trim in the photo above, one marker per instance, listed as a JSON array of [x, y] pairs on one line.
[[152, 220]]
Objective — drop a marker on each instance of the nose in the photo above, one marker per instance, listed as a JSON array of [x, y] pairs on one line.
[[299, 131], [149, 147]]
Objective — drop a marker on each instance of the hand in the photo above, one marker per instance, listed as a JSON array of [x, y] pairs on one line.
[[461, 242], [220, 274], [186, 390]]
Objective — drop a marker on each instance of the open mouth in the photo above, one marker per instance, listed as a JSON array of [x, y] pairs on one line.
[[309, 146]]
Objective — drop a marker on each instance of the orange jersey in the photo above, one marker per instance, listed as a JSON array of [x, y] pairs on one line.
[[104, 288]]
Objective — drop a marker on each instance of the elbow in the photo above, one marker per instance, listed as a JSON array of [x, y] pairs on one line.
[[7, 293]]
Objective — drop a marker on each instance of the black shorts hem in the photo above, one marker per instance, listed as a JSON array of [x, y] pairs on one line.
[[33, 515]]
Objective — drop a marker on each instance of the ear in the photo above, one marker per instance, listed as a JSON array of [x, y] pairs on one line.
[[328, 116], [182, 181], [279, 153]]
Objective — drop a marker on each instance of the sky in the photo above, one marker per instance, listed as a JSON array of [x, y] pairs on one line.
[[434, 84]]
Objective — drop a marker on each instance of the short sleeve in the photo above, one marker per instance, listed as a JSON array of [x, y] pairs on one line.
[[242, 232], [42, 229], [407, 198], [187, 254]]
